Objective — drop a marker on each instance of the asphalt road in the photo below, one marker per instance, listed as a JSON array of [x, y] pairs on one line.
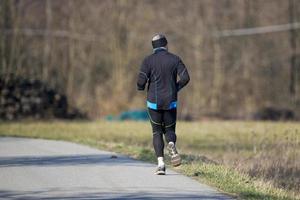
[[43, 169]]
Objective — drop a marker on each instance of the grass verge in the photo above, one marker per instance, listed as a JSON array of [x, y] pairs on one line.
[[237, 142]]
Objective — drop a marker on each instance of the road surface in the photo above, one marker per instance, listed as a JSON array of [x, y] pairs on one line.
[[43, 169]]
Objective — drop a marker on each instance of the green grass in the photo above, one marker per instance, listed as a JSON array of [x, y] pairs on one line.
[[250, 160]]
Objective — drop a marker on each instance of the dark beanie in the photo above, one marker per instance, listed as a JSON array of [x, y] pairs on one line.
[[159, 41]]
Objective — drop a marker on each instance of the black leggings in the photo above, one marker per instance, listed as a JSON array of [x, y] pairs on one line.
[[162, 122]]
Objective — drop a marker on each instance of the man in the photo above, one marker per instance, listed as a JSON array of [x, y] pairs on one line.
[[160, 71]]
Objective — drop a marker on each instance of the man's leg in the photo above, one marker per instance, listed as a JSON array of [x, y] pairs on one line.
[[156, 118], [169, 118]]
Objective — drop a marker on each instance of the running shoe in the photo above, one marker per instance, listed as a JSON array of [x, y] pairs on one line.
[[161, 170], [175, 157]]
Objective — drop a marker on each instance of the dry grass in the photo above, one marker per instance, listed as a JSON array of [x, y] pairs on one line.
[[261, 149]]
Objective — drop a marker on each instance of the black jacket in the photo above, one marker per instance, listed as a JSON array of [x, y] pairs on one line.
[[160, 71]]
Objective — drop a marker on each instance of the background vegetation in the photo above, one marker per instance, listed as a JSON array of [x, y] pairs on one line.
[[91, 51], [242, 55]]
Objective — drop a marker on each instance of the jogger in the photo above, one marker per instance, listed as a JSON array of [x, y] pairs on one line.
[[160, 71]]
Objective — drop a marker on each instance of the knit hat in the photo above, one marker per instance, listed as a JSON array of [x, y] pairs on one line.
[[159, 40]]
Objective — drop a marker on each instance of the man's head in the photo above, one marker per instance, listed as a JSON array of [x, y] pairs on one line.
[[159, 40]]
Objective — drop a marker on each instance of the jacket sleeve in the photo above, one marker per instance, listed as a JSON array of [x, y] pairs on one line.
[[183, 75], [143, 76]]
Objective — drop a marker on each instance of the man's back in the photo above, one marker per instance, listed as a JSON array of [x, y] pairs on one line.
[[160, 69]]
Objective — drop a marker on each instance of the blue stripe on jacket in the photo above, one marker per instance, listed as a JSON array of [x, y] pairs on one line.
[[154, 105]]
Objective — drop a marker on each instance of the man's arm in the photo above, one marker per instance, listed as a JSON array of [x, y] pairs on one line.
[[183, 75], [143, 76]]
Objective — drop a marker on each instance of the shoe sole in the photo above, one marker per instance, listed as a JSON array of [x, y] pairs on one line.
[[160, 173], [176, 160]]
